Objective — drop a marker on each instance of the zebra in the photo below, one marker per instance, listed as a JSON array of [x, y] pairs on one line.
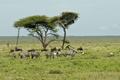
[[59, 54], [14, 55], [35, 54], [71, 53], [49, 54], [24, 54]]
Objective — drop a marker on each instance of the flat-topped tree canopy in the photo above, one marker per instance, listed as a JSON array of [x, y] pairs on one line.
[[39, 26], [33, 22], [65, 19], [68, 18]]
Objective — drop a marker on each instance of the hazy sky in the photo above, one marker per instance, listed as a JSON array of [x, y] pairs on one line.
[[96, 17]]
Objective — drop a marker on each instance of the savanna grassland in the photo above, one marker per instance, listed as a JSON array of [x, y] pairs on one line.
[[96, 64]]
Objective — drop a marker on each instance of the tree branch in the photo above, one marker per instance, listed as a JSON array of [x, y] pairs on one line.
[[61, 25], [40, 34], [50, 41], [34, 35]]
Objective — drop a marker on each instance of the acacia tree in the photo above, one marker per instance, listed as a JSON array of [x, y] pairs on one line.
[[65, 20], [39, 27]]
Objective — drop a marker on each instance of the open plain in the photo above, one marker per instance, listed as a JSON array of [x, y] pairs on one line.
[[100, 61]]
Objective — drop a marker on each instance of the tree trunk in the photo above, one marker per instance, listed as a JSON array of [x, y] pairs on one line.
[[64, 38], [44, 46], [18, 36]]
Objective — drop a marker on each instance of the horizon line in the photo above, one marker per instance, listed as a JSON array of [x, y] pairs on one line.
[[68, 36]]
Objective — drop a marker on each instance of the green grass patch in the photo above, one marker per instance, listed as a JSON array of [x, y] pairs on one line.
[[95, 64]]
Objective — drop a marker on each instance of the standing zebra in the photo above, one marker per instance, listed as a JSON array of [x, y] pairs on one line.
[[59, 54], [24, 54], [14, 55], [71, 53], [49, 54], [35, 54]]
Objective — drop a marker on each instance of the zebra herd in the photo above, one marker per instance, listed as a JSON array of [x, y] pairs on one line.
[[26, 54], [48, 54]]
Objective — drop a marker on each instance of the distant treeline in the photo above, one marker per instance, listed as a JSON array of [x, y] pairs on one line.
[[29, 38]]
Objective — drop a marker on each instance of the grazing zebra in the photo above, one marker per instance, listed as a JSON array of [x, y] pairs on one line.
[[24, 54], [71, 53], [59, 54], [35, 54], [14, 55], [49, 54]]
